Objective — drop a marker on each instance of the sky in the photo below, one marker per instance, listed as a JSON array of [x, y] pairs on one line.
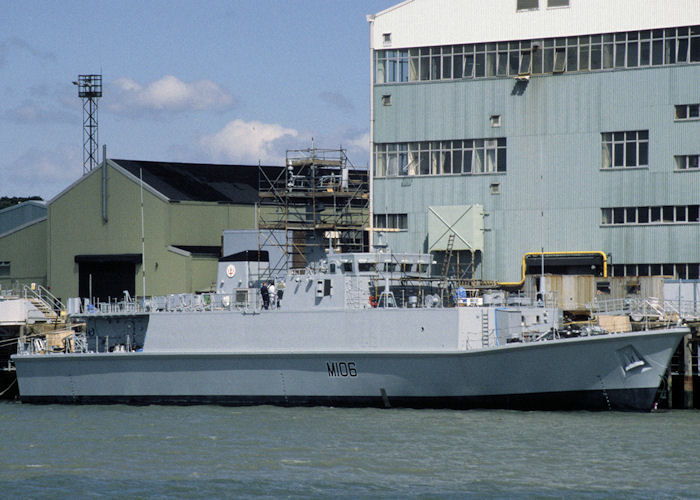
[[238, 81]]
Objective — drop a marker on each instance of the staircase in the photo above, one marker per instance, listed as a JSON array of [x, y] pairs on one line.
[[44, 301], [44, 308]]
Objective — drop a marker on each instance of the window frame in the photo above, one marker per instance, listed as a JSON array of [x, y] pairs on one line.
[[686, 163], [448, 157], [526, 5], [650, 215], [392, 221], [503, 59], [618, 147], [691, 112]]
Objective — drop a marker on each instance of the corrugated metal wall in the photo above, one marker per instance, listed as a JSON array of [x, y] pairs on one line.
[[552, 194]]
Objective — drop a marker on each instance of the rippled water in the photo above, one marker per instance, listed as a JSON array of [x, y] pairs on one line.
[[211, 451]]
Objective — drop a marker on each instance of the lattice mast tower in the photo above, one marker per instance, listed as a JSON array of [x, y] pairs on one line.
[[89, 90]]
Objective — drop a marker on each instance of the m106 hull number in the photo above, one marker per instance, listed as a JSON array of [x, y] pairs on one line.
[[341, 369]]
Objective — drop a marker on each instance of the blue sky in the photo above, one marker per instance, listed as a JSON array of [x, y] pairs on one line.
[[195, 81]]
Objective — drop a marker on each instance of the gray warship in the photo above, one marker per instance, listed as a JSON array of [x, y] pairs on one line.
[[345, 333]]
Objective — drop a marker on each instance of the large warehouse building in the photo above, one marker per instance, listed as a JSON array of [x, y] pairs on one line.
[[503, 129], [127, 225], [101, 241], [156, 228]]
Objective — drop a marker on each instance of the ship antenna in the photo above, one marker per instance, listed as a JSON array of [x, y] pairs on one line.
[[143, 239]]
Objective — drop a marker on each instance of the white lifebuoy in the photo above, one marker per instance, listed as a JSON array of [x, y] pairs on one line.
[[231, 271]]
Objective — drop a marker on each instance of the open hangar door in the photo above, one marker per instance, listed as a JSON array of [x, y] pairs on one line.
[[104, 277]]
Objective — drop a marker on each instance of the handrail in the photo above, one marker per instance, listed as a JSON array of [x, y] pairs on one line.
[[178, 302], [40, 293], [649, 306]]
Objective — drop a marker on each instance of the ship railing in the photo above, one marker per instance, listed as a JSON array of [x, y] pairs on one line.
[[648, 308], [79, 342], [40, 344], [244, 300], [8, 294], [31, 345], [609, 306]]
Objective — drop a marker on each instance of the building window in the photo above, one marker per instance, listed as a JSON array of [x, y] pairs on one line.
[[525, 67], [495, 120], [471, 156], [527, 5], [504, 59], [391, 221], [380, 67], [4, 268], [678, 271], [687, 112], [423, 64], [559, 59], [495, 188], [557, 3], [625, 149], [386, 39], [667, 214], [687, 162], [386, 99]]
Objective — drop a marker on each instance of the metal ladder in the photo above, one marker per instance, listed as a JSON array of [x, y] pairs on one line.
[[448, 256], [484, 328]]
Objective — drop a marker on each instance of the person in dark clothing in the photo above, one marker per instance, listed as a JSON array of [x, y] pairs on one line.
[[265, 295], [280, 292]]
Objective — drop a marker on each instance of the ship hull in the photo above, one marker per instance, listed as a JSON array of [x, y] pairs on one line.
[[620, 400], [607, 372]]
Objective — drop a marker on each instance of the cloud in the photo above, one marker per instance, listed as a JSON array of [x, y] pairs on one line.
[[167, 95], [241, 141], [29, 112], [42, 172], [249, 142], [360, 142], [337, 100], [20, 45], [354, 141]]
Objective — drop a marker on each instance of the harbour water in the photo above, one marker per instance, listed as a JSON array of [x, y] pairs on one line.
[[211, 451]]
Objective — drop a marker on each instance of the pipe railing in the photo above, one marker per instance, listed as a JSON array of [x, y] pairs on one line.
[[688, 310], [38, 292], [241, 301]]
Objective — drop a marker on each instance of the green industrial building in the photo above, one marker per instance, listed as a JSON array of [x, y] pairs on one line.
[[147, 228], [23, 245]]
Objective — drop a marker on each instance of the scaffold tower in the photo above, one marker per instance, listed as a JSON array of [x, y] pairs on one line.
[[319, 201]]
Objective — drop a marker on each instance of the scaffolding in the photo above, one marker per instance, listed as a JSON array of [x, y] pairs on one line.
[[318, 201]]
